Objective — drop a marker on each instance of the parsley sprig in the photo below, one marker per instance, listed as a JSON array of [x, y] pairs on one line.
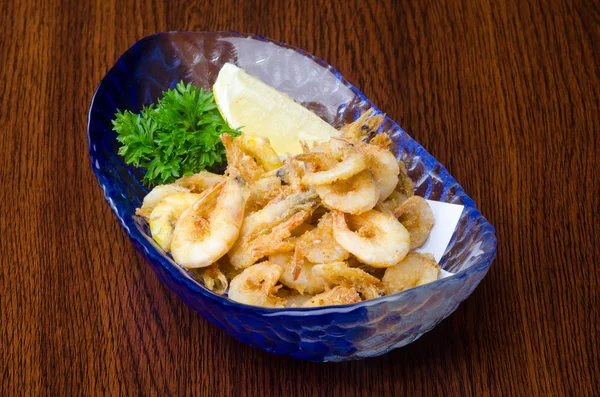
[[176, 136]]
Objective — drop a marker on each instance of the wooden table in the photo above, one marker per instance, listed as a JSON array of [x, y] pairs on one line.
[[504, 93]]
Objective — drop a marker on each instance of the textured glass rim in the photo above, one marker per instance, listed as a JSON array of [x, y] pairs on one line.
[[178, 273]]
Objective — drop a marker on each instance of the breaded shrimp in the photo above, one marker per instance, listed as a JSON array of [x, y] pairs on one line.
[[210, 227], [264, 232], [384, 167], [346, 161], [298, 275], [199, 182], [156, 195], [339, 273], [414, 270], [340, 295], [354, 195], [257, 285], [416, 216], [375, 238], [164, 216], [260, 148], [364, 127], [319, 246]]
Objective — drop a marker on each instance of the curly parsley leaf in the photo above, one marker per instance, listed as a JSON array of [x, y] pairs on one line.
[[178, 135]]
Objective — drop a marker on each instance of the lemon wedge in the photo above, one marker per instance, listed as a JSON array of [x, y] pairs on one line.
[[261, 110]]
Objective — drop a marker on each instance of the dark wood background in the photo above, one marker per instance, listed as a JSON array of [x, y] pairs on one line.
[[504, 93]]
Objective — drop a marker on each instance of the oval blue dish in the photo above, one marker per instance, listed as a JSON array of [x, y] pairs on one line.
[[338, 333]]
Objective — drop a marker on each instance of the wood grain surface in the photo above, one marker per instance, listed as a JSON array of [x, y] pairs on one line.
[[506, 94]]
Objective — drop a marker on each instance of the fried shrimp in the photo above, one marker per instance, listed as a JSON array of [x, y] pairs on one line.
[[240, 163], [339, 273], [257, 285], [260, 148], [333, 225], [382, 141], [263, 191], [199, 182], [366, 125], [164, 216], [340, 295], [213, 278], [291, 174], [384, 167], [346, 161], [276, 185], [298, 275], [319, 246], [416, 216], [403, 191], [414, 270], [210, 227], [264, 232], [375, 238], [318, 160], [354, 195], [156, 195]]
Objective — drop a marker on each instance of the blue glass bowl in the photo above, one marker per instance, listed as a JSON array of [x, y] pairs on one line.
[[337, 333]]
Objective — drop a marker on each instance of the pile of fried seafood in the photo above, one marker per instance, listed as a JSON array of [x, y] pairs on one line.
[[336, 224]]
